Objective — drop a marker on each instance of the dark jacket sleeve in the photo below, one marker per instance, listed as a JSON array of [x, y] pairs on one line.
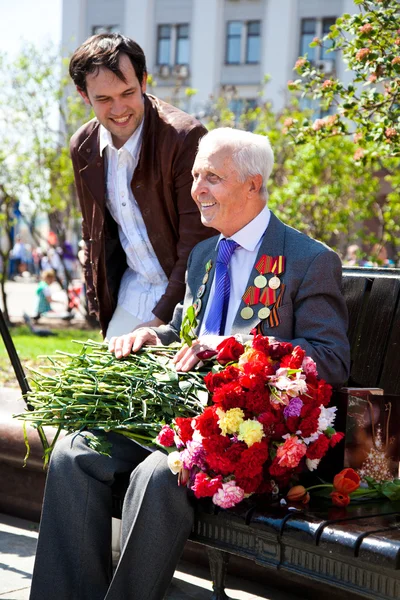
[[87, 269], [320, 318], [191, 230]]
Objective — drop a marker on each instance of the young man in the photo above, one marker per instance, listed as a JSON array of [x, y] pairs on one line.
[[132, 168], [73, 555]]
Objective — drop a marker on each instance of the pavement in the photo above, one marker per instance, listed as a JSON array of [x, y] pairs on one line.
[[18, 540]]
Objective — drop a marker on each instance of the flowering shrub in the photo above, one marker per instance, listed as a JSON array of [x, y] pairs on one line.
[[268, 420]]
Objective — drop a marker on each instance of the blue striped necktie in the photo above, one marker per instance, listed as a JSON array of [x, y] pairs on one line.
[[215, 322]]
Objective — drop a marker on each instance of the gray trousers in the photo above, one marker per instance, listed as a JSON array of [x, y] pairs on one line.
[[73, 558]]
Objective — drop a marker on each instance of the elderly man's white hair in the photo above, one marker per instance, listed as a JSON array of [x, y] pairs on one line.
[[251, 153]]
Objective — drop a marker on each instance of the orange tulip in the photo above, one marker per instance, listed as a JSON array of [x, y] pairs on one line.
[[298, 493], [346, 481], [339, 499]]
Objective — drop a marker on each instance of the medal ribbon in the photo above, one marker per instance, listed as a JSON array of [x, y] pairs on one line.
[[251, 295], [270, 264]]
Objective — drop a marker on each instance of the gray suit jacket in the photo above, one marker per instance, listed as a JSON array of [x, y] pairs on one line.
[[313, 313]]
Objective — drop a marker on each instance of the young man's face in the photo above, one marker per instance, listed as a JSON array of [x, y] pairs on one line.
[[118, 106]]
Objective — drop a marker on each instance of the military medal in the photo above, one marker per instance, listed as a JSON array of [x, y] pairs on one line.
[[260, 281], [268, 293], [264, 313], [274, 282], [197, 304]]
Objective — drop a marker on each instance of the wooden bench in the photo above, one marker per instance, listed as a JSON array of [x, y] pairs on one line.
[[353, 551]]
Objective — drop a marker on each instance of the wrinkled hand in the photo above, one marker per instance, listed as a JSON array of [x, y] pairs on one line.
[[187, 357], [123, 345]]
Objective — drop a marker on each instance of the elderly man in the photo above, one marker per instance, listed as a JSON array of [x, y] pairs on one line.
[[298, 299]]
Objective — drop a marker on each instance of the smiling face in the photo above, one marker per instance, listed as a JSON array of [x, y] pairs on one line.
[[118, 105], [224, 202]]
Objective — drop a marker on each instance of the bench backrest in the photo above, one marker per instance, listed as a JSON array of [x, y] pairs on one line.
[[373, 302]]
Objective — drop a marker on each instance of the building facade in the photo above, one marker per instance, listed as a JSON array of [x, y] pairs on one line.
[[214, 46]]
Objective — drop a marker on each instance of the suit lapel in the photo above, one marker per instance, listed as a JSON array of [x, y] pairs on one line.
[[272, 244]]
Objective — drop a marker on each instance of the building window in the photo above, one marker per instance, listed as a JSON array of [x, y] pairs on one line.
[[243, 42], [164, 44], [234, 42], [105, 29], [182, 45], [253, 42], [311, 28]]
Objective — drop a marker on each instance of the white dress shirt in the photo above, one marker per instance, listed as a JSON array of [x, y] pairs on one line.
[[144, 281], [240, 266]]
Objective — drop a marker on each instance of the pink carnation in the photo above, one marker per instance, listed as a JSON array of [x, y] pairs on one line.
[[309, 367], [166, 436], [291, 452], [228, 495]]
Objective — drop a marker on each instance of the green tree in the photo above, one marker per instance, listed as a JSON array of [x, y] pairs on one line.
[[367, 108], [37, 118], [316, 188]]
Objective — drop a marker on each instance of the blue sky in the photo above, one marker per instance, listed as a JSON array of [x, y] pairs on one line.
[[38, 21]]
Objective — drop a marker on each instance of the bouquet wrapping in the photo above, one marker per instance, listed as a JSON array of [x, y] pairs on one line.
[[269, 419]]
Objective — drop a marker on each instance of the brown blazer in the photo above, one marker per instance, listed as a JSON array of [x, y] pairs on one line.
[[161, 185]]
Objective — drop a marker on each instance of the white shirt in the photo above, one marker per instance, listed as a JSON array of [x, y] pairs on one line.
[[240, 266], [144, 281]]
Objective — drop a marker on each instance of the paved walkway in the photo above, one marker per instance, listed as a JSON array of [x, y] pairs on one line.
[[17, 551]]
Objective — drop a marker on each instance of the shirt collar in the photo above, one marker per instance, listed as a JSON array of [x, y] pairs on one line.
[[250, 235], [132, 145]]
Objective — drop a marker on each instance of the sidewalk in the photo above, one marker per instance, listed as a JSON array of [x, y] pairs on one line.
[[17, 550]]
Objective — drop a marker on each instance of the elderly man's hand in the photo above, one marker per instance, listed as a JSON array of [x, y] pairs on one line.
[[187, 357], [132, 342]]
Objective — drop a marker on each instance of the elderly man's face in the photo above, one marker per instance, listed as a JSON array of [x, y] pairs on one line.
[[223, 200]]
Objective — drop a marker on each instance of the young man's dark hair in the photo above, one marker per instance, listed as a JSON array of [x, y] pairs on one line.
[[104, 50]]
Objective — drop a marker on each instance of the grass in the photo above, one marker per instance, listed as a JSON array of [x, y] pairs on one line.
[[31, 347]]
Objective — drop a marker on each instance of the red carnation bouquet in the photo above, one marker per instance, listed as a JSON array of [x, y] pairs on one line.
[[268, 421]]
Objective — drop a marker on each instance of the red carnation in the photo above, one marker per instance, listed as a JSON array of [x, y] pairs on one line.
[[252, 460], [318, 448], [216, 443], [185, 429], [261, 343], [205, 486], [309, 424], [292, 423], [279, 349], [219, 463], [229, 350], [207, 422], [249, 484], [324, 392], [276, 470], [336, 438], [166, 436], [280, 430], [230, 395], [215, 380], [257, 402], [294, 360]]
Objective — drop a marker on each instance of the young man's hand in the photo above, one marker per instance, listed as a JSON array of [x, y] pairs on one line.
[[123, 345]]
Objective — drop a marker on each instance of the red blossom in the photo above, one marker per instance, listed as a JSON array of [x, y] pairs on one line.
[[230, 395], [292, 423], [249, 484], [336, 438], [279, 349], [229, 350], [214, 381], [185, 429], [318, 448], [205, 486], [294, 360], [339, 499], [166, 436], [207, 422], [252, 460], [346, 481]]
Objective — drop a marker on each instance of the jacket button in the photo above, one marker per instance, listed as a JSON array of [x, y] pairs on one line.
[[88, 150], [95, 298], [99, 164], [91, 240]]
